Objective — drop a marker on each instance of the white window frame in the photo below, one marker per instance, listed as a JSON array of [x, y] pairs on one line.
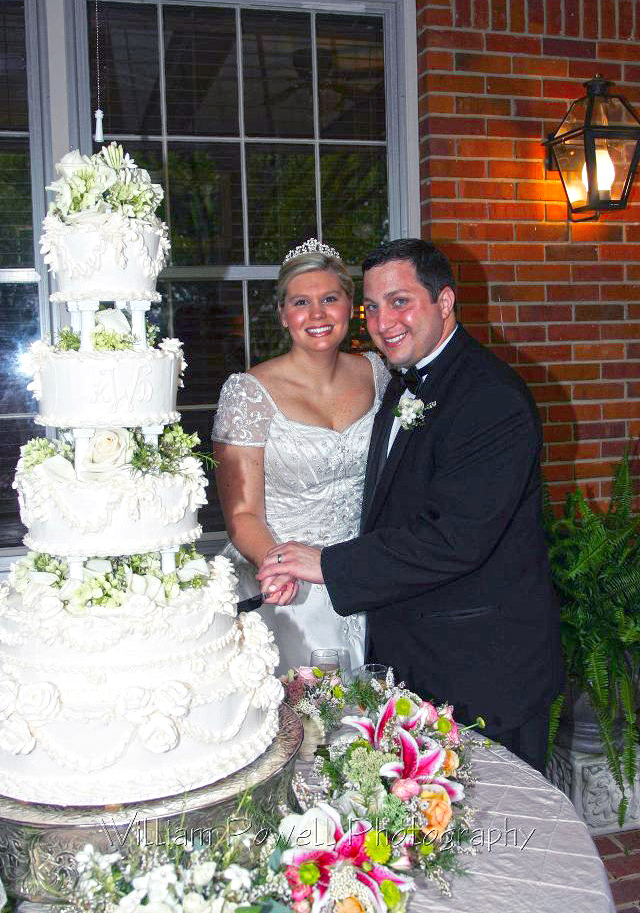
[[60, 118]]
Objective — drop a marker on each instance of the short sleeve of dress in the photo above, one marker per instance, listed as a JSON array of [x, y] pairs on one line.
[[381, 375], [244, 412]]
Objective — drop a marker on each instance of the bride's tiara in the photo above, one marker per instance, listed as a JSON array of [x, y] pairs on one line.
[[309, 247]]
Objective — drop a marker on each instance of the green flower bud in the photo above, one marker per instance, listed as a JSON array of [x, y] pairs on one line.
[[390, 893], [403, 706], [376, 846], [443, 725], [309, 873], [426, 849]]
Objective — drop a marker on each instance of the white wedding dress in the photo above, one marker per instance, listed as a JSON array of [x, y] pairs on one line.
[[313, 482]]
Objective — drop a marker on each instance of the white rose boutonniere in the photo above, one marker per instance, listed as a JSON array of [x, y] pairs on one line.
[[108, 451], [411, 412]]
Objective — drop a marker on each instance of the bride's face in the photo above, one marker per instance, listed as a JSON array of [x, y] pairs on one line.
[[316, 310]]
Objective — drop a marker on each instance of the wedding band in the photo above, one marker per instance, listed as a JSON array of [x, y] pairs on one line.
[[279, 557]]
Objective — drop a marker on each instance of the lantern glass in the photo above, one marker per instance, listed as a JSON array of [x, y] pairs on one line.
[[570, 159], [609, 111]]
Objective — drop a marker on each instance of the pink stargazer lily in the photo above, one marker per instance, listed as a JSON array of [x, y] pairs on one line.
[[412, 765], [349, 849], [373, 732]]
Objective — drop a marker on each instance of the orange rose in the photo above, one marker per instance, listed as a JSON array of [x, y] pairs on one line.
[[435, 806], [451, 762], [348, 905]]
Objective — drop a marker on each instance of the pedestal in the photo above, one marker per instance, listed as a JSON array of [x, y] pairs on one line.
[[38, 843], [586, 779]]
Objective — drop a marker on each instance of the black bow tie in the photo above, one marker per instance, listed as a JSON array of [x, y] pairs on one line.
[[412, 378]]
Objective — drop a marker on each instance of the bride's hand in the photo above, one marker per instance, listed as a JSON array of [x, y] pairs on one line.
[[293, 558], [279, 589]]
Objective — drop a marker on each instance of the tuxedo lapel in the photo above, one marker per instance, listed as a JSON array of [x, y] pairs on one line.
[[379, 437], [376, 494]]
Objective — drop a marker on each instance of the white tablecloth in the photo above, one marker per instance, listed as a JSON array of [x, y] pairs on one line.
[[557, 870]]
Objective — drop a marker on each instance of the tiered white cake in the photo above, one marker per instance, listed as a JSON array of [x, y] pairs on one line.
[[125, 672]]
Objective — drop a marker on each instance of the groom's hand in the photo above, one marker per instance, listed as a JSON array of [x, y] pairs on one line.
[[301, 561]]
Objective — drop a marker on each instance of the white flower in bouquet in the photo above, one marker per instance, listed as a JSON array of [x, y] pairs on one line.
[[202, 873], [109, 452], [113, 319], [314, 830], [157, 882], [195, 903], [238, 877], [196, 567]]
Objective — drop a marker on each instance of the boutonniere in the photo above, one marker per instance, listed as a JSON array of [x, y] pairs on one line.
[[411, 412]]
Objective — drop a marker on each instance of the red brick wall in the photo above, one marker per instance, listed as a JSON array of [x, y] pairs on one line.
[[558, 301]]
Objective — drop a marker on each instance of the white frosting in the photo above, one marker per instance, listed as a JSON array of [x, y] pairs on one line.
[[127, 513], [105, 389], [108, 258], [132, 703]]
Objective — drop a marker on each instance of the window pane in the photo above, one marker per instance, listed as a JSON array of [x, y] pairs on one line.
[[19, 327], [200, 421], [13, 67], [276, 54], [350, 77], [16, 225], [207, 317], [268, 337], [282, 200], [354, 199], [206, 203], [201, 71], [13, 433], [129, 66]]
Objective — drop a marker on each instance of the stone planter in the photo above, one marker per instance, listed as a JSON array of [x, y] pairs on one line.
[[578, 766]]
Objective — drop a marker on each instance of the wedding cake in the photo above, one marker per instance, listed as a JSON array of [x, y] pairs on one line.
[[125, 672]]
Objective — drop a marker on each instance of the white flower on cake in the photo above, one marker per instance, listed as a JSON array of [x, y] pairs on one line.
[[109, 451], [16, 737], [269, 694], [113, 319], [38, 701], [134, 704], [172, 699], [159, 733], [149, 586], [49, 607], [141, 606], [59, 469], [8, 698], [248, 670]]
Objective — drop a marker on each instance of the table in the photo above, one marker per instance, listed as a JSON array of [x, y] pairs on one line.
[[557, 870]]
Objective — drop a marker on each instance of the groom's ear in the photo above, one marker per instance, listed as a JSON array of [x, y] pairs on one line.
[[446, 301]]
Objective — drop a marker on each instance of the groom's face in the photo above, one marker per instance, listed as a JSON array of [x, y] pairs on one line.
[[402, 319]]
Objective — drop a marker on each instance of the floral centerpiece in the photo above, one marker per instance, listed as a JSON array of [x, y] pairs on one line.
[[387, 805]]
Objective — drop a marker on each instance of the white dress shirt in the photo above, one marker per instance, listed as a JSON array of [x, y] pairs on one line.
[[408, 394]]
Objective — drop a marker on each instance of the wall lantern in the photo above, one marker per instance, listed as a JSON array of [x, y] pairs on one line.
[[596, 150]]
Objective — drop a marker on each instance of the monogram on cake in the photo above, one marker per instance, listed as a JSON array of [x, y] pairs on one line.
[[125, 672]]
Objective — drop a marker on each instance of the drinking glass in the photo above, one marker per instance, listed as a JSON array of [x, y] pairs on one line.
[[344, 659], [326, 660], [373, 671]]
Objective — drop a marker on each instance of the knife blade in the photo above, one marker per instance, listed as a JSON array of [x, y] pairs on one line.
[[248, 605]]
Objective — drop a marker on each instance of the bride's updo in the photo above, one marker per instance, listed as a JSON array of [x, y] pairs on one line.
[[305, 260]]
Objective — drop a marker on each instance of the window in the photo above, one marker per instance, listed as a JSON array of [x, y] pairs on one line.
[[264, 126], [21, 292]]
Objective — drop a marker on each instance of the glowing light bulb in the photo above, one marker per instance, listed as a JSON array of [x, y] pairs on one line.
[[605, 173]]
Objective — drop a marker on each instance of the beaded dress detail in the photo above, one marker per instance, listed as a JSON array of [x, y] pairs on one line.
[[314, 478]]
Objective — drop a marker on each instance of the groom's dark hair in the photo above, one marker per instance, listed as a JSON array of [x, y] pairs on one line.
[[432, 267]]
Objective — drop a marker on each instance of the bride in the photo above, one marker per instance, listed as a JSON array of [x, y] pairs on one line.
[[291, 439]]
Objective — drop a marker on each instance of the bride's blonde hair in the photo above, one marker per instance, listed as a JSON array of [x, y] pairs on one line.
[[306, 263]]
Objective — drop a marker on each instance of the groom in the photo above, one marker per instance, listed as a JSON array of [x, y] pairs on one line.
[[451, 562]]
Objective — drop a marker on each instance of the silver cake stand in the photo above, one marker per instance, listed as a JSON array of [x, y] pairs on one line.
[[38, 843]]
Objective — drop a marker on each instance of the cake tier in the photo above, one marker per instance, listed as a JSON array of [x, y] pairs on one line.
[[125, 514], [105, 389], [135, 702], [104, 256]]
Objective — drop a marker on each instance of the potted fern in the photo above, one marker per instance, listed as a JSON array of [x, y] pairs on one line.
[[595, 563]]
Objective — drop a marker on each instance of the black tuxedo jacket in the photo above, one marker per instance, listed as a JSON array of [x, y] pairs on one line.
[[451, 563]]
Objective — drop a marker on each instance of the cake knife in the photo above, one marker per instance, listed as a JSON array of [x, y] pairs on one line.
[[253, 602]]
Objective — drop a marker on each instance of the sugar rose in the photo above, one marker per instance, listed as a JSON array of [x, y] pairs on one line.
[[435, 807], [108, 452]]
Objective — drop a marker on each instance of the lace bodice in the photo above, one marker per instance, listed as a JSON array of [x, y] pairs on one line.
[[314, 476]]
